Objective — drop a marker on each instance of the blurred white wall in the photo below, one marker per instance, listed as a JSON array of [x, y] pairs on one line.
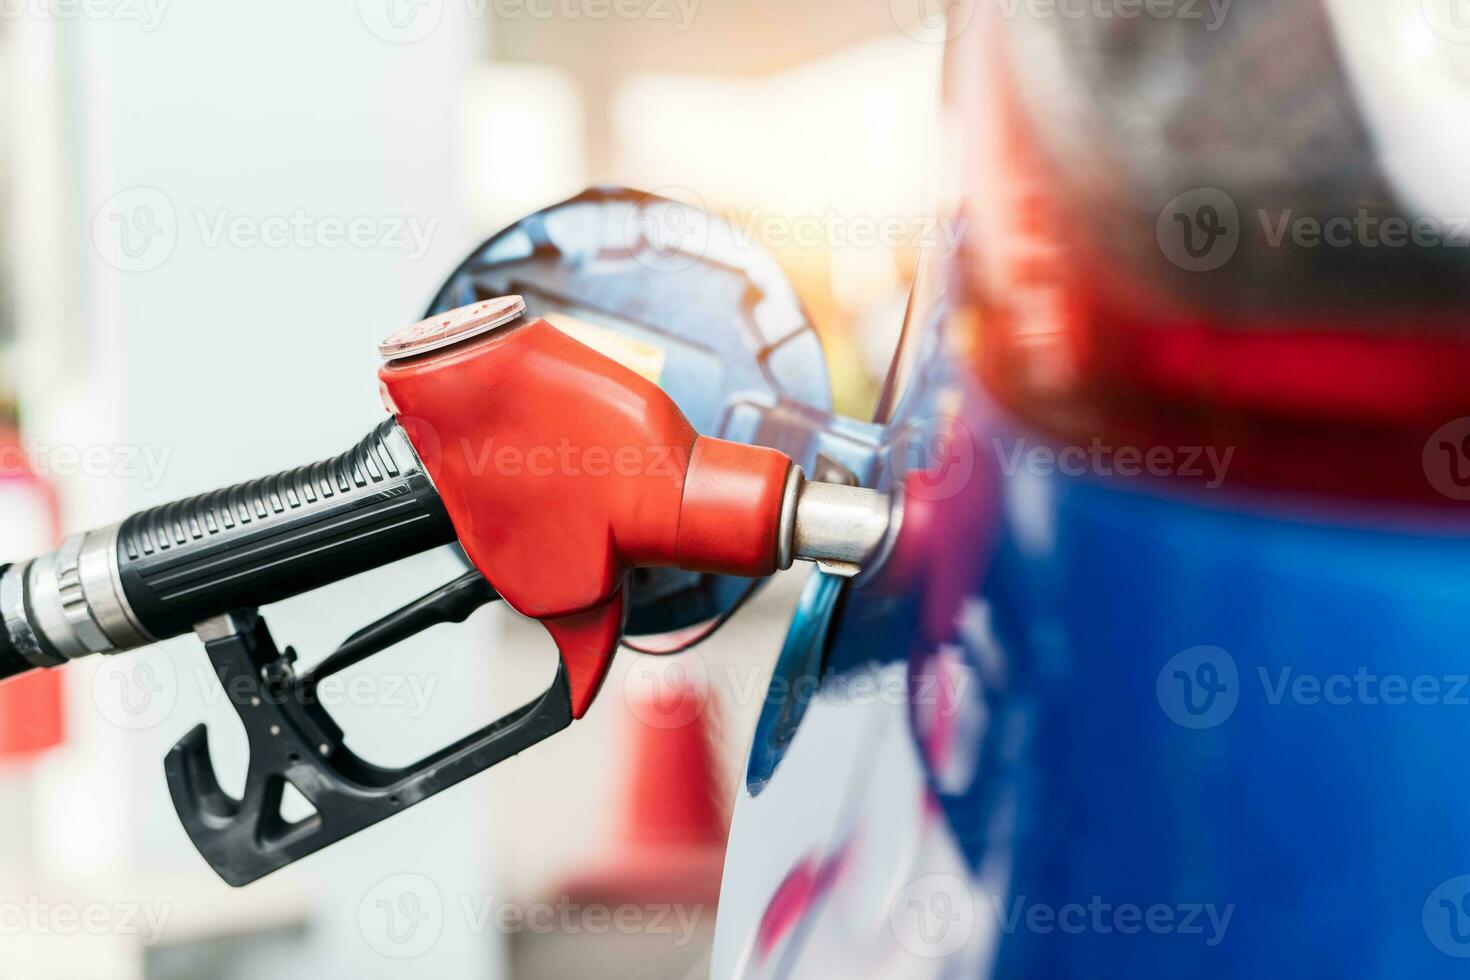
[[189, 305], [182, 184]]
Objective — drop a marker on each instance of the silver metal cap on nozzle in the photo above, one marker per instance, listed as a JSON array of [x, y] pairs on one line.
[[452, 327], [841, 528]]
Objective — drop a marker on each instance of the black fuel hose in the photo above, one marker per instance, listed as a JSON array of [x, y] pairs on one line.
[[266, 540], [12, 663]]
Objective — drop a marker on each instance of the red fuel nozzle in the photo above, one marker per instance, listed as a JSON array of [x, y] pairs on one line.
[[561, 470]]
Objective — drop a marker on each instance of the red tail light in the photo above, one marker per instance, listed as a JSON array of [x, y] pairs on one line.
[[1329, 368]]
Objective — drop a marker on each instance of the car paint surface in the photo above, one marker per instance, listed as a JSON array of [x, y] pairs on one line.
[[1145, 728]]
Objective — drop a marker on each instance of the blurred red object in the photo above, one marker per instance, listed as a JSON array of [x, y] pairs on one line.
[[30, 521], [670, 844]]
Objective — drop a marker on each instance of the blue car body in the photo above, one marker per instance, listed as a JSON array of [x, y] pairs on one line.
[[1145, 730]]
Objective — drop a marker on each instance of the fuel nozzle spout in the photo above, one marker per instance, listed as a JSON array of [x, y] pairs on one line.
[[843, 529]]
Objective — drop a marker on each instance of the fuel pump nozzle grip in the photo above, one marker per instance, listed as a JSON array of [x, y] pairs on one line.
[[556, 468], [561, 470]]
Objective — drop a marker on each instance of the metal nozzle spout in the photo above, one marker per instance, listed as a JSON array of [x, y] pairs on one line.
[[837, 526]]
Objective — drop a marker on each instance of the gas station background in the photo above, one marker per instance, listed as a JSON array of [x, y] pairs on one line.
[[811, 124]]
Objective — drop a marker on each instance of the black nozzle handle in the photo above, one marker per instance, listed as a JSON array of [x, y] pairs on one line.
[[269, 539], [12, 664]]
